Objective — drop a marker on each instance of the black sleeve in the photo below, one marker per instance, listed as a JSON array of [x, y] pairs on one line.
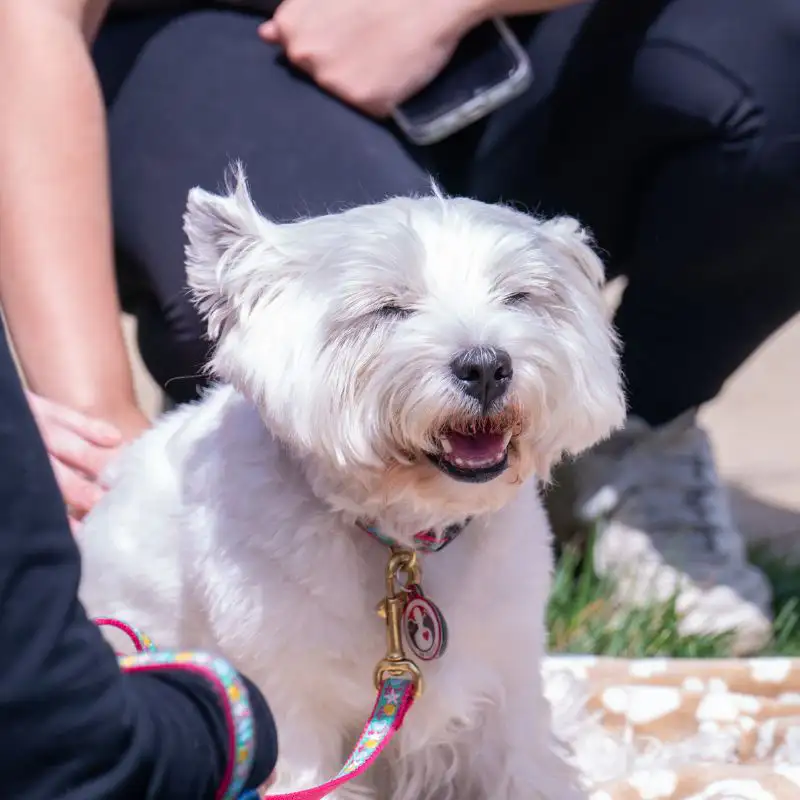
[[71, 725]]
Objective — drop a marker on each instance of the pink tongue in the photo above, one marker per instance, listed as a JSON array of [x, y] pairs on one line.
[[481, 445]]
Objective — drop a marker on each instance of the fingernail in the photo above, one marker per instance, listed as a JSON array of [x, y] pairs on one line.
[[267, 30]]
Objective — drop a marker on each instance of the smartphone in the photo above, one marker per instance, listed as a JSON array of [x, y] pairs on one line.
[[489, 68]]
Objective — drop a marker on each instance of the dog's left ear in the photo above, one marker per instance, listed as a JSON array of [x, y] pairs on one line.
[[572, 240], [591, 403], [227, 252]]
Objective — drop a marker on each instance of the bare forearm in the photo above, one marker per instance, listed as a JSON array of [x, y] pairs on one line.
[[510, 7], [56, 270], [483, 9]]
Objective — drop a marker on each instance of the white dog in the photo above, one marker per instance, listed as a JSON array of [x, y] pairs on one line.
[[409, 365]]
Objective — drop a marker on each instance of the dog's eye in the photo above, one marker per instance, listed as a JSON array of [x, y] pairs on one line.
[[517, 299], [393, 311]]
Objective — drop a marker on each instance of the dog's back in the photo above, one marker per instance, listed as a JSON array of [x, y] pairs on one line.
[[132, 543]]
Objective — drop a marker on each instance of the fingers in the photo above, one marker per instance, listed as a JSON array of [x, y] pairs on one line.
[[77, 452], [80, 442], [79, 447], [269, 32], [94, 430], [80, 494]]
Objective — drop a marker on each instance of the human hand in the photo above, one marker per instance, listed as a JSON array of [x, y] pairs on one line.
[[80, 448], [372, 54]]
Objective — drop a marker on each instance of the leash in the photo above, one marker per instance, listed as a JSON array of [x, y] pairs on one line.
[[395, 697], [397, 679]]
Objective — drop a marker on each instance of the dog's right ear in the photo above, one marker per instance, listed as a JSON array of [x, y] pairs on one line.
[[574, 242], [227, 251]]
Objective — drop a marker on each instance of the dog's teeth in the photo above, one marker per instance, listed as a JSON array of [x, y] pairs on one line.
[[478, 463], [472, 463], [506, 439], [444, 443]]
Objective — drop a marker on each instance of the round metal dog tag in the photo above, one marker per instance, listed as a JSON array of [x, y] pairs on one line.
[[425, 626]]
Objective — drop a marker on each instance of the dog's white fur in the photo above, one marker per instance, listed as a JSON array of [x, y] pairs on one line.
[[231, 525]]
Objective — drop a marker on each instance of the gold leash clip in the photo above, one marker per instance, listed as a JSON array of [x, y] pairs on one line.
[[402, 564]]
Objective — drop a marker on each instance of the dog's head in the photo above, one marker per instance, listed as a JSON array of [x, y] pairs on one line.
[[436, 351]]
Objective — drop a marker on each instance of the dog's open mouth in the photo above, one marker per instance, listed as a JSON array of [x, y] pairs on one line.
[[474, 453]]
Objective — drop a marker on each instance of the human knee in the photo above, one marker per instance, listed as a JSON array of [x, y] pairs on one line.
[[736, 80]]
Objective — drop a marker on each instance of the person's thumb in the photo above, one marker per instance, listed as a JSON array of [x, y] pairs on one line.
[[269, 32]]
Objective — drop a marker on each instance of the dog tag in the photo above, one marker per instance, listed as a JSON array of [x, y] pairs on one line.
[[424, 625]]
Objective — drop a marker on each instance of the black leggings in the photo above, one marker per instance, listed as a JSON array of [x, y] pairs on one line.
[[670, 127]]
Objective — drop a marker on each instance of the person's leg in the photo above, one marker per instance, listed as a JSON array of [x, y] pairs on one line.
[[711, 267], [711, 276], [672, 130], [202, 91]]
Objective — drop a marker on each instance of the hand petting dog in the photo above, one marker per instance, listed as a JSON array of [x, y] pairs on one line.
[[80, 448]]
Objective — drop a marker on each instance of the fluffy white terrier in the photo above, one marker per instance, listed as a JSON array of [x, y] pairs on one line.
[[409, 364]]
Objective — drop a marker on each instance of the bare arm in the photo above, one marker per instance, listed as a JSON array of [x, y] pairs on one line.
[[529, 6], [56, 269], [482, 9]]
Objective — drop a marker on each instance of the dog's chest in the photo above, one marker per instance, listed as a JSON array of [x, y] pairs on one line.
[[305, 619], [301, 619]]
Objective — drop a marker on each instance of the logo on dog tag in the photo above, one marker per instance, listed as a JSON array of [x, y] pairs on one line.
[[425, 626]]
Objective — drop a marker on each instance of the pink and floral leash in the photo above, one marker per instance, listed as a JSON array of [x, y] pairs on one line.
[[397, 679]]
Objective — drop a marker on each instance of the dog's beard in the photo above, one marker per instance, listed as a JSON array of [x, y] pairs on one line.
[[406, 482], [423, 486], [489, 458]]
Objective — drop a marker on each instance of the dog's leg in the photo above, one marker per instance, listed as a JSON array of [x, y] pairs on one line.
[[515, 755], [537, 762]]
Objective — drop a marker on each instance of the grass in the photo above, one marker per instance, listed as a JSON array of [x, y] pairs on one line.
[[582, 618]]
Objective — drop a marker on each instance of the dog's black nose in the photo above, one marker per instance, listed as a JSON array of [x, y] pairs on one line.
[[483, 373]]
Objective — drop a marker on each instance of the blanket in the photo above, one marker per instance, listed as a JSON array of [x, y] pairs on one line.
[[680, 729]]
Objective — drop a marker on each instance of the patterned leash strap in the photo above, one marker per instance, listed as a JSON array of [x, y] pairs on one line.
[[395, 697], [229, 686], [397, 679]]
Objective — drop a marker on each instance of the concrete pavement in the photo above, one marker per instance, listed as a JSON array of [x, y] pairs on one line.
[[755, 427]]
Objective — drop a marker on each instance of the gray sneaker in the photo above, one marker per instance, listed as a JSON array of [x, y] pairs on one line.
[[666, 530]]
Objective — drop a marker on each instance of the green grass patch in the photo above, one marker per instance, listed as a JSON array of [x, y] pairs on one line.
[[582, 618]]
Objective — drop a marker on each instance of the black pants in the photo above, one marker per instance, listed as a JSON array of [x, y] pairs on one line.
[[670, 127]]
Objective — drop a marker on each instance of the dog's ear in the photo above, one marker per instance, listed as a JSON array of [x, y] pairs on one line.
[[227, 251], [591, 400], [573, 241]]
